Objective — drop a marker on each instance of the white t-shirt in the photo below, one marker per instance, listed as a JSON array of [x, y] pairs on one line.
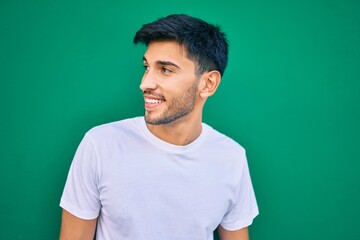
[[141, 187]]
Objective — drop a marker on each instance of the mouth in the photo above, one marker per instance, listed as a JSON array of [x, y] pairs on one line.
[[152, 101]]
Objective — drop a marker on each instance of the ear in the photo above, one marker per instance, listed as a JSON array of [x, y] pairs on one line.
[[209, 83]]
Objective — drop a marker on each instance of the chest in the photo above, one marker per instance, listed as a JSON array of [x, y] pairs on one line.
[[165, 189]]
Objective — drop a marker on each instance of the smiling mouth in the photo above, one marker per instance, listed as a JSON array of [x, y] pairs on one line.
[[153, 101]]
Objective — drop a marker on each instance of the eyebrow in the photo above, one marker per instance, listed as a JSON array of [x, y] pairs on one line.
[[167, 63]]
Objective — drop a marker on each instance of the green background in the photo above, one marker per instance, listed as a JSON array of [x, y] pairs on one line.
[[290, 96]]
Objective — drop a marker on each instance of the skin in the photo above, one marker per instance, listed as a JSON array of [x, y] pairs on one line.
[[172, 82], [74, 228], [174, 99]]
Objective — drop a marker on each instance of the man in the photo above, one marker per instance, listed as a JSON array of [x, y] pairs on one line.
[[166, 175]]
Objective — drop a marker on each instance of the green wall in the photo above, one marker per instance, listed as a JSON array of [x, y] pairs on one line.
[[290, 96]]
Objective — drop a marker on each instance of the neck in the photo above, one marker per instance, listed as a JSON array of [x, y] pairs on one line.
[[180, 132]]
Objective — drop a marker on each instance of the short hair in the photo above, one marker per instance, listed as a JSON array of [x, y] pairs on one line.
[[205, 43]]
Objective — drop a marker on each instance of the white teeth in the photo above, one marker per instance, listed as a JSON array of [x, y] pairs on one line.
[[153, 101]]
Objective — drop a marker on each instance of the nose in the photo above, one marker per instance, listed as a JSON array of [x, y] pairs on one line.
[[148, 81]]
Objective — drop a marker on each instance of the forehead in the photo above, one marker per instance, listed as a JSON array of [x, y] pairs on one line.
[[167, 51]]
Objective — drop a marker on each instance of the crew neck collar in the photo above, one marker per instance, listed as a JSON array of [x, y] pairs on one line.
[[168, 146]]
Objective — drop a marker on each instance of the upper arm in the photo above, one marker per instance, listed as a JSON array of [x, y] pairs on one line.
[[73, 227], [242, 234]]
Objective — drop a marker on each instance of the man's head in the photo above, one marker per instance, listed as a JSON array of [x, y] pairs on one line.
[[184, 61], [204, 43]]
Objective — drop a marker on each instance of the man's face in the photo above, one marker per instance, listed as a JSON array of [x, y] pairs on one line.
[[169, 83]]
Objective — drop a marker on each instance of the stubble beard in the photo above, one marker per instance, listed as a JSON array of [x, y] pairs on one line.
[[177, 107]]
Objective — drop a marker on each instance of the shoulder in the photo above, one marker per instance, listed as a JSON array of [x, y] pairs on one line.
[[114, 130], [221, 141]]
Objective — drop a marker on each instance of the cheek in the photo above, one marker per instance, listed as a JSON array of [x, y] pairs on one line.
[[177, 85], [174, 89]]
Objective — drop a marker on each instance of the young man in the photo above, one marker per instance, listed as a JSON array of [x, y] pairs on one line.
[[166, 175]]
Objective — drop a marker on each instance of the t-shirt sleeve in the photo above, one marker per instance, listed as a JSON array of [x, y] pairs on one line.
[[81, 195], [244, 209]]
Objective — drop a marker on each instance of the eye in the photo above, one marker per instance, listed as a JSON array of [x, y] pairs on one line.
[[166, 70], [146, 68]]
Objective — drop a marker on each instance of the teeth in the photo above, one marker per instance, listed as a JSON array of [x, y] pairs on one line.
[[153, 101]]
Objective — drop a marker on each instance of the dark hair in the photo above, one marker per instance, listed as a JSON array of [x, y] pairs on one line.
[[205, 44]]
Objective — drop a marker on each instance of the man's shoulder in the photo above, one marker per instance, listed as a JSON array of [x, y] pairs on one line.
[[221, 140], [116, 128]]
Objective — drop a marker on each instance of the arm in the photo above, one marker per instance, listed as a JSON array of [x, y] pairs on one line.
[[242, 234], [73, 227]]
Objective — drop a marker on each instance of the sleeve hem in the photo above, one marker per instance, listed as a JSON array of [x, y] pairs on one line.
[[239, 224], [87, 215]]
